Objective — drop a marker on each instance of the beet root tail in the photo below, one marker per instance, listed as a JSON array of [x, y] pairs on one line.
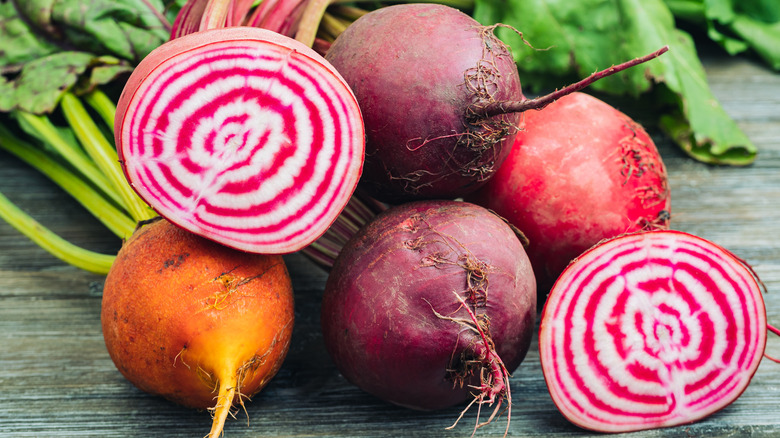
[[227, 392]]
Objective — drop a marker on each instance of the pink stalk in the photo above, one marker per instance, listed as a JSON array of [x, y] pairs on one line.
[[260, 12], [278, 15], [359, 211], [197, 15], [239, 12], [188, 19]]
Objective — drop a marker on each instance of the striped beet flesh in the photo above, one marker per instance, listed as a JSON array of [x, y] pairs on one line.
[[243, 136], [651, 330]]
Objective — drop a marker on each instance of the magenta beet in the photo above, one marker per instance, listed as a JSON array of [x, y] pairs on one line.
[[431, 304], [650, 330], [243, 136]]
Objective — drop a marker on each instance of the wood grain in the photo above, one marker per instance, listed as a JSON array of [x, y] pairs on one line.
[[56, 378]]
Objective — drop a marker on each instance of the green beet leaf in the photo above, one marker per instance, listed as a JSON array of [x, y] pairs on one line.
[[49, 47], [127, 29], [559, 40], [738, 26], [42, 82]]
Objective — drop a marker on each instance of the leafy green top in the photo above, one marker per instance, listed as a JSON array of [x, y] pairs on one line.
[[561, 39], [48, 47]]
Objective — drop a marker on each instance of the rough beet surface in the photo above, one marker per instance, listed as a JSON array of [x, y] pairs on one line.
[[400, 305]]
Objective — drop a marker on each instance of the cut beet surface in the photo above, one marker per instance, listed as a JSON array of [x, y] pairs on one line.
[[243, 136], [651, 330]]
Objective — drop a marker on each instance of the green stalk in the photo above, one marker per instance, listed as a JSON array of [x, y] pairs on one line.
[[57, 246], [347, 13], [332, 25], [103, 105], [104, 155], [105, 211], [72, 154]]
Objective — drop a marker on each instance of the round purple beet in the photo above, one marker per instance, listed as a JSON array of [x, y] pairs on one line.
[[416, 70], [427, 299]]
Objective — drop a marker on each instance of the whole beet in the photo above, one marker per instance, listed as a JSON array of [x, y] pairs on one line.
[[430, 304], [416, 69], [201, 324]]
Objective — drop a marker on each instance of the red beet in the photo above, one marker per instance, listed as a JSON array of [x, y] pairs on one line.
[[427, 299], [580, 172], [650, 330]]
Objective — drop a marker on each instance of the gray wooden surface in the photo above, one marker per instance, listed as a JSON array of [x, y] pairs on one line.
[[56, 378]]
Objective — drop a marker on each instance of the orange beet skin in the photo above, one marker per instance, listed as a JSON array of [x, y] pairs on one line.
[[200, 324]]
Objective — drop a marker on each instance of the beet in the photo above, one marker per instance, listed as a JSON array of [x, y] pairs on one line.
[[243, 136], [414, 85], [402, 299], [198, 323], [651, 329]]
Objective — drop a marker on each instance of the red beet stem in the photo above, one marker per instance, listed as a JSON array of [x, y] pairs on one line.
[[498, 108]]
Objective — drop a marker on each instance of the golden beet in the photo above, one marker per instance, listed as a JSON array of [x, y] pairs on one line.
[[200, 324]]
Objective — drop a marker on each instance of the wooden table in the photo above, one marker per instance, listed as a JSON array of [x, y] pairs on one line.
[[56, 378]]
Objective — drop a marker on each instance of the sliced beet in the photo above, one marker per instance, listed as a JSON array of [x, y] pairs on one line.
[[651, 330]]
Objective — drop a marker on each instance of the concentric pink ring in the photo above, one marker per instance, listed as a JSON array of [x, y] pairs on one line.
[[250, 140]]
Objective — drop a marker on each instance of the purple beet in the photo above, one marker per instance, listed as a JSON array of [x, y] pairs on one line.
[[415, 69], [431, 304]]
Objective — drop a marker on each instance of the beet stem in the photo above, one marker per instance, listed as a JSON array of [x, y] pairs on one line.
[[310, 21], [772, 358], [216, 14], [499, 108]]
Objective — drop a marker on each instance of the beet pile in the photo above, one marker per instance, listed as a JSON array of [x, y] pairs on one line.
[[251, 145]]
